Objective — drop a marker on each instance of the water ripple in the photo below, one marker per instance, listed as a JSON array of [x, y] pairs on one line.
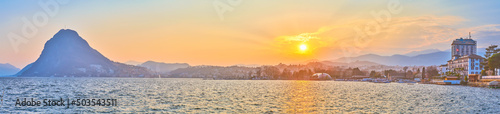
[[248, 96]]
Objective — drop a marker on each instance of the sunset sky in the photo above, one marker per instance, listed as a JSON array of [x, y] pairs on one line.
[[249, 31]]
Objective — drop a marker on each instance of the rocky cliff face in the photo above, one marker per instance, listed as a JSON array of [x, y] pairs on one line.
[[69, 55]]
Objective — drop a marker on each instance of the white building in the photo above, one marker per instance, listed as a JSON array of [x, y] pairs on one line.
[[469, 64], [463, 57], [443, 69]]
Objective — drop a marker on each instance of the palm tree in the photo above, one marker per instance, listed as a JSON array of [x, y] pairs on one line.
[[460, 72]]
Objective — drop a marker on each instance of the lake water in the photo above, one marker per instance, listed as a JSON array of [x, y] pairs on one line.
[[247, 96]]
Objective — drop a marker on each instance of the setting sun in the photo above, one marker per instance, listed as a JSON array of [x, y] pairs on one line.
[[303, 47]]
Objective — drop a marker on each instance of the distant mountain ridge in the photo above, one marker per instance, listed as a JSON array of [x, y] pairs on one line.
[[8, 69], [415, 53], [351, 64], [415, 58], [133, 63], [69, 55], [435, 58], [161, 67]]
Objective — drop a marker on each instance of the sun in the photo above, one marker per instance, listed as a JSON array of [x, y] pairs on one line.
[[303, 47]]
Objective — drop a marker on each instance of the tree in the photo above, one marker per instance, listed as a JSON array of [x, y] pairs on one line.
[[418, 71], [302, 73], [271, 72], [286, 74], [356, 71], [347, 73], [318, 70], [432, 71], [250, 74], [459, 72], [293, 75], [333, 72], [449, 73], [405, 68], [309, 72], [373, 73], [483, 72], [494, 62], [491, 50], [411, 74], [424, 75], [258, 72]]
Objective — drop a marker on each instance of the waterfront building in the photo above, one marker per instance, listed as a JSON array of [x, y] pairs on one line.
[[443, 69], [464, 59], [462, 47], [469, 64]]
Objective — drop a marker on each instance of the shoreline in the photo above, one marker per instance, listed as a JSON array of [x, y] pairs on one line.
[[471, 84]]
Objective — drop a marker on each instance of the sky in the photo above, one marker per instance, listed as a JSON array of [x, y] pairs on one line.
[[229, 32]]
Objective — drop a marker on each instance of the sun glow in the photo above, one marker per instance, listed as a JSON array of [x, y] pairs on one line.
[[303, 47]]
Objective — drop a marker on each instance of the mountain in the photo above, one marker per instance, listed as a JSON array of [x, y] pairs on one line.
[[435, 58], [7, 69], [351, 64], [415, 53], [67, 54], [248, 65], [163, 67], [131, 62]]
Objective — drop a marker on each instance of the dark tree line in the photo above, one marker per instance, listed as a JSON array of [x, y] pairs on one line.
[[288, 72]]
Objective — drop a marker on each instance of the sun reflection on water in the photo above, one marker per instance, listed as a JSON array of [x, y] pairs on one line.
[[301, 96]]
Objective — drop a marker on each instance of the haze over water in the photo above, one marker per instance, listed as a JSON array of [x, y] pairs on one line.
[[249, 96]]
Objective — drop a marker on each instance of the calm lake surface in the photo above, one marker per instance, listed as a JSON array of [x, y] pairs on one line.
[[247, 96]]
